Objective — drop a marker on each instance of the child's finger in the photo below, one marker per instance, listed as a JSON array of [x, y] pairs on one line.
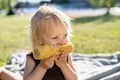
[[54, 57], [64, 54]]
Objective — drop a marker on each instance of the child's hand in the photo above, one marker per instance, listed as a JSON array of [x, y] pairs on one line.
[[61, 61], [48, 63]]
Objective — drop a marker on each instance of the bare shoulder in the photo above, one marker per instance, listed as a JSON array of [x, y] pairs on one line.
[[30, 64], [29, 60]]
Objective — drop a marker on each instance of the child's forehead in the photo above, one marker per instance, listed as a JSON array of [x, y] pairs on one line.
[[55, 30], [56, 26]]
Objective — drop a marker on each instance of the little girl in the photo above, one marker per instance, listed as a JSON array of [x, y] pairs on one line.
[[50, 26]]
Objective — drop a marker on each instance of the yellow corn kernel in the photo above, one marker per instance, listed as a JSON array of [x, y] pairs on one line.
[[67, 47], [46, 51]]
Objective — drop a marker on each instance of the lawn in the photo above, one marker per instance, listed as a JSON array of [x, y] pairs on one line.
[[99, 34]]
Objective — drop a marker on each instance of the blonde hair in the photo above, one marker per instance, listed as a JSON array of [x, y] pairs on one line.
[[38, 25]]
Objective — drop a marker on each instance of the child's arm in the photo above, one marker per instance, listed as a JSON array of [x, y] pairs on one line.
[[37, 73], [33, 74], [67, 67], [8, 75]]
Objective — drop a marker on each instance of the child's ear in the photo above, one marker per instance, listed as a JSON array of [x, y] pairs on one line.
[[38, 41]]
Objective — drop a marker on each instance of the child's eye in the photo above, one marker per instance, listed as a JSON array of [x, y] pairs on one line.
[[65, 35], [55, 37]]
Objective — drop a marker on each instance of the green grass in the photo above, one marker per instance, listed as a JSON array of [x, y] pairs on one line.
[[13, 35], [90, 35], [99, 34]]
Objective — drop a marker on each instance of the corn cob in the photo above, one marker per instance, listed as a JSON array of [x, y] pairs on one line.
[[46, 51]]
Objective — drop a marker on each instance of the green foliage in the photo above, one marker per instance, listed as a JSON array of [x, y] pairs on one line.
[[103, 3], [109, 3], [4, 3]]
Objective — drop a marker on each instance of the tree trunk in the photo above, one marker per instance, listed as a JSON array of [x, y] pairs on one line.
[[10, 11], [108, 11]]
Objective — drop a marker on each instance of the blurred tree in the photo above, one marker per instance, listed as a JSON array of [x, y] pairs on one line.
[[8, 5], [104, 3], [2, 4], [60, 1]]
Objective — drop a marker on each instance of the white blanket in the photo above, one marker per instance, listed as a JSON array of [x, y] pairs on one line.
[[97, 66], [89, 67]]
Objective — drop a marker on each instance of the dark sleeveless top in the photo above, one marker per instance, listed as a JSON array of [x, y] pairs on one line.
[[51, 74]]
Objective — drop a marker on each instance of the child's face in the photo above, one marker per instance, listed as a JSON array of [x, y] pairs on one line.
[[57, 35]]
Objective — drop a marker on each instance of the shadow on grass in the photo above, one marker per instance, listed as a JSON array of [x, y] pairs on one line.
[[102, 18]]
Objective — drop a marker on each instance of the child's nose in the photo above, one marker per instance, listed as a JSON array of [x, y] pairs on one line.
[[63, 41]]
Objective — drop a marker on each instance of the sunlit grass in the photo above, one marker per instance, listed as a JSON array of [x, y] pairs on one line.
[[96, 34], [90, 35], [13, 35]]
